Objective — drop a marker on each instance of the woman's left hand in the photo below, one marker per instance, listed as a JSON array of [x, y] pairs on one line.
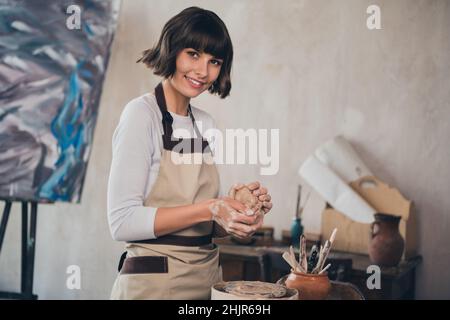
[[259, 191]]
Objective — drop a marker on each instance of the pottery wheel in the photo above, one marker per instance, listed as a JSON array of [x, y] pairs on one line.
[[255, 289]]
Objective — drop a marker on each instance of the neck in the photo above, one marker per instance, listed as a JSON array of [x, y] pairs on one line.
[[175, 101]]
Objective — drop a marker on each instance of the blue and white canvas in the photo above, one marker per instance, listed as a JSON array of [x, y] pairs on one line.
[[53, 59]]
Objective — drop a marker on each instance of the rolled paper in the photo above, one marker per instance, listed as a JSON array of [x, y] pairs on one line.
[[342, 159], [335, 191]]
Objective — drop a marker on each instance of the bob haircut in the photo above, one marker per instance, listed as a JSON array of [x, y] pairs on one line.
[[193, 28]]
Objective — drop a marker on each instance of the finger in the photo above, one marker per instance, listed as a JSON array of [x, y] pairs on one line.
[[228, 211], [237, 231], [267, 209], [255, 216], [243, 228], [260, 222], [240, 218], [265, 197], [234, 232], [267, 205], [260, 215], [261, 191], [246, 229], [253, 185], [238, 234], [257, 207]]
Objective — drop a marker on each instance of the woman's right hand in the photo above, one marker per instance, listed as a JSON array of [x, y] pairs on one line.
[[234, 217]]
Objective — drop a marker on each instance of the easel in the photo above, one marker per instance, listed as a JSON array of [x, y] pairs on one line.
[[28, 246]]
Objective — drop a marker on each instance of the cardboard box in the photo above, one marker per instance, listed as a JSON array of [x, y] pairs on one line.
[[355, 237]]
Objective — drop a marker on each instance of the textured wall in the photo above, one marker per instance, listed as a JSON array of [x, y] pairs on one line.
[[311, 69]]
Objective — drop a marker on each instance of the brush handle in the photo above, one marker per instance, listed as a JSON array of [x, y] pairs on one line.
[[299, 194]]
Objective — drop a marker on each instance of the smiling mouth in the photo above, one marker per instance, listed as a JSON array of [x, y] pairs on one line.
[[194, 82]]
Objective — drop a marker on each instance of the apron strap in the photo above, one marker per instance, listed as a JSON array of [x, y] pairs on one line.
[[145, 264], [186, 241], [122, 259], [197, 132], [167, 121]]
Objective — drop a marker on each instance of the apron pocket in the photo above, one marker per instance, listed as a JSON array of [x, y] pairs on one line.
[[143, 277], [142, 286], [145, 264]]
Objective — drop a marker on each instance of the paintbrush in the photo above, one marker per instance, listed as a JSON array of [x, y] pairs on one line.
[[287, 257], [302, 258], [312, 259], [304, 204], [319, 261], [327, 248], [299, 194], [333, 236], [292, 254], [325, 269]]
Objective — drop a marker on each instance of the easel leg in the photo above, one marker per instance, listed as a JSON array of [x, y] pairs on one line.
[[24, 245], [29, 246], [5, 218]]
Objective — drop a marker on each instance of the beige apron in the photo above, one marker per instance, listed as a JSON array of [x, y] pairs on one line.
[[185, 264]]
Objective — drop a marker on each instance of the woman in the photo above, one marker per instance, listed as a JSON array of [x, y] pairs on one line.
[[166, 211]]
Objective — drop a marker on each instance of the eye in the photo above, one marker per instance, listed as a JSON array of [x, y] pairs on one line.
[[193, 54], [216, 62]]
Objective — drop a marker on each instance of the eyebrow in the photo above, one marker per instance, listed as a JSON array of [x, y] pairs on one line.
[[214, 57]]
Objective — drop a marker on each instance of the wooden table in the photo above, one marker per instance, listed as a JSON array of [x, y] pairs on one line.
[[264, 263]]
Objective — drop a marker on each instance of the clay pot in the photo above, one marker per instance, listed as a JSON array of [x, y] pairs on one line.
[[386, 244], [309, 286]]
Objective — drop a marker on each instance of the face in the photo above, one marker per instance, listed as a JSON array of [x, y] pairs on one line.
[[195, 72]]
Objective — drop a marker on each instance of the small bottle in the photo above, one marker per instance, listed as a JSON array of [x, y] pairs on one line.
[[296, 231], [296, 226]]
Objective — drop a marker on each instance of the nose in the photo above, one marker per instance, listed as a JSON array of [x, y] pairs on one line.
[[201, 68]]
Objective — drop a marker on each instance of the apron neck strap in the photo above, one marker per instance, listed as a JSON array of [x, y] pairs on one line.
[[197, 132], [167, 118]]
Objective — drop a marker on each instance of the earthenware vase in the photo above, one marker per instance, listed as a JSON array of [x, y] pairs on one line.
[[386, 244]]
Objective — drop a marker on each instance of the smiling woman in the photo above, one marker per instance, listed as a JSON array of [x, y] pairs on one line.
[[194, 31], [195, 72], [166, 211]]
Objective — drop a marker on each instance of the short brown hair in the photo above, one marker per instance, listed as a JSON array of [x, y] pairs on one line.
[[193, 28]]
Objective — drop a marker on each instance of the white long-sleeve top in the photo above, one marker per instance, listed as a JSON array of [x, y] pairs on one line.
[[136, 152]]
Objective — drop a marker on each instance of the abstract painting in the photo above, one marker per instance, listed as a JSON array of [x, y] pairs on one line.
[[53, 59]]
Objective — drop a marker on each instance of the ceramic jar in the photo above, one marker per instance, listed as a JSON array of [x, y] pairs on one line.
[[386, 244]]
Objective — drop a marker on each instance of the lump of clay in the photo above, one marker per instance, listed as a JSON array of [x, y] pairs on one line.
[[255, 289], [245, 196]]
